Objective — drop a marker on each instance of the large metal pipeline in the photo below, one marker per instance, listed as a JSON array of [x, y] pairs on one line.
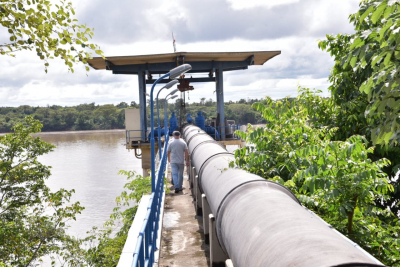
[[261, 223]]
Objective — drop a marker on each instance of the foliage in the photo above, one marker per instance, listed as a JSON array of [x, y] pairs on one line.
[[345, 82], [96, 117], [339, 180], [369, 61], [47, 28], [341, 176], [32, 218], [105, 112], [288, 129], [57, 118], [376, 44], [106, 244], [356, 63]]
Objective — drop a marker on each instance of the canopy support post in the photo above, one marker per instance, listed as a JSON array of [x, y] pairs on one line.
[[220, 99], [142, 103]]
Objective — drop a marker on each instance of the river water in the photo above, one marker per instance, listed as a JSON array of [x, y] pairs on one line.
[[89, 161]]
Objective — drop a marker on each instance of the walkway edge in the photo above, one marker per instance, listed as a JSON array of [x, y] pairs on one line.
[[159, 232], [126, 257]]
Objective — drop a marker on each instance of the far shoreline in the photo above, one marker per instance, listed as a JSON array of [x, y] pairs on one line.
[[72, 131], [81, 131]]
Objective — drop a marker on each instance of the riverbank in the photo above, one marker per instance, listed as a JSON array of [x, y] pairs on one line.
[[89, 162]]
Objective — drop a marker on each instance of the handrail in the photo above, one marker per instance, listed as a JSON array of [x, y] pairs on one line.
[[229, 128], [146, 241], [129, 138]]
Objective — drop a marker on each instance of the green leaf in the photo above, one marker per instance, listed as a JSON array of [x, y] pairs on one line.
[[376, 15], [387, 58], [366, 13], [376, 60], [358, 42], [353, 62]]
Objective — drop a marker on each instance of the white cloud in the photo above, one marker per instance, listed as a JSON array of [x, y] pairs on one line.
[[300, 61], [240, 4], [142, 27]]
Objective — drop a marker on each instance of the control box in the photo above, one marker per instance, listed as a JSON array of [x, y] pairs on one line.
[[133, 127]]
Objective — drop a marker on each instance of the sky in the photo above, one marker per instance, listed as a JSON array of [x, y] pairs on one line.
[[140, 27]]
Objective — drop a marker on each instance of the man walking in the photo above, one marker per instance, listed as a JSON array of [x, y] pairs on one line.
[[177, 152]]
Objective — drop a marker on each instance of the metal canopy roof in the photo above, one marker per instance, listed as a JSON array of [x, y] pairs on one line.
[[252, 57], [213, 63]]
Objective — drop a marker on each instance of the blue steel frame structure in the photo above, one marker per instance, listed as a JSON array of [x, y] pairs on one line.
[[158, 119], [168, 97], [146, 242], [153, 156], [159, 124], [159, 127], [214, 69]]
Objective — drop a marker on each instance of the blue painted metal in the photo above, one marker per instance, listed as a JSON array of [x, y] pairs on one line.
[[146, 242], [189, 119], [212, 132], [167, 86], [152, 132], [166, 120], [173, 123], [167, 134], [200, 121], [159, 132], [220, 99], [142, 104], [159, 124], [191, 80], [197, 66]]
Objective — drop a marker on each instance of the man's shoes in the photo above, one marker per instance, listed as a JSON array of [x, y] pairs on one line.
[[177, 190]]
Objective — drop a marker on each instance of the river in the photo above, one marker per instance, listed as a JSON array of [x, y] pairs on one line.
[[89, 161]]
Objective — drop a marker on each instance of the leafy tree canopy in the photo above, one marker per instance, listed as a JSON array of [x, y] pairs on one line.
[[48, 29], [339, 180], [32, 218], [355, 66], [369, 60]]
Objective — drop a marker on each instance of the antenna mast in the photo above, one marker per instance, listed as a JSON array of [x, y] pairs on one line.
[[173, 42]]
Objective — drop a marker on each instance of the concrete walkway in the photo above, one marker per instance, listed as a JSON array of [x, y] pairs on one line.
[[182, 242]]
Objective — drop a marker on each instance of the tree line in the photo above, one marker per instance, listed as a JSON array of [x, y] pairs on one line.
[[101, 117], [57, 118]]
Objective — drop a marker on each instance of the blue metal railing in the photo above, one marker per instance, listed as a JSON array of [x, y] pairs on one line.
[[146, 242]]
